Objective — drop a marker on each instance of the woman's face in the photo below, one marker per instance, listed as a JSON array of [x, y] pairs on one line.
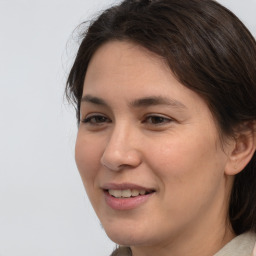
[[148, 150]]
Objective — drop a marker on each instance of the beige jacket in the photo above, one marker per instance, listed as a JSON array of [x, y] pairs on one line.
[[243, 245]]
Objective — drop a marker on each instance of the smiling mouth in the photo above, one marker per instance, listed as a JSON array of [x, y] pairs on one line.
[[128, 193], [126, 196]]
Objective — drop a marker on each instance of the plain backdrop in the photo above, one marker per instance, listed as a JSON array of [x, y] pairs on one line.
[[44, 210]]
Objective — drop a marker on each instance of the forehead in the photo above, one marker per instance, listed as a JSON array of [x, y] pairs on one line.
[[127, 65], [121, 57], [127, 70]]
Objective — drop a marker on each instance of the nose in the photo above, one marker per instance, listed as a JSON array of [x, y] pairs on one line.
[[121, 150]]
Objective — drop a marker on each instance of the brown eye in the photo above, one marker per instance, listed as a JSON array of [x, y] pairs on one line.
[[96, 120], [157, 120]]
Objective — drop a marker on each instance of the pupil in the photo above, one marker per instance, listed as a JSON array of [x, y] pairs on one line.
[[100, 119], [156, 120]]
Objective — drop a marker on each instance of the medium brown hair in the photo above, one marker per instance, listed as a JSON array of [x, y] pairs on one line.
[[208, 49]]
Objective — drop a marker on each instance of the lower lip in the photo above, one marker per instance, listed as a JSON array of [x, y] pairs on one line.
[[126, 203]]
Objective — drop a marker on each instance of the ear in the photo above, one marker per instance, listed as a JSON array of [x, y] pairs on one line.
[[242, 149]]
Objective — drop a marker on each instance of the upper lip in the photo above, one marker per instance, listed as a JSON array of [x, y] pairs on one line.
[[124, 186]]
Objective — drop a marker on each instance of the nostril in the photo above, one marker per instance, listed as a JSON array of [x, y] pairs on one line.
[[117, 161], [120, 152]]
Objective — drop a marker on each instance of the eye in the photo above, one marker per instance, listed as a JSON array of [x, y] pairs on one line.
[[96, 119], [157, 120]]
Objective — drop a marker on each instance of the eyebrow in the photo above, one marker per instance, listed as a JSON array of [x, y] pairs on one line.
[[94, 100], [142, 102], [156, 100]]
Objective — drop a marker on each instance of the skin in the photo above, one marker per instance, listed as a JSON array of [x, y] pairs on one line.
[[174, 148]]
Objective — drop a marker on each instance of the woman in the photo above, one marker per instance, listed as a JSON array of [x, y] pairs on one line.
[[165, 97]]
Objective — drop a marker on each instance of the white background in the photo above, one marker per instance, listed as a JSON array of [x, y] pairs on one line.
[[43, 207]]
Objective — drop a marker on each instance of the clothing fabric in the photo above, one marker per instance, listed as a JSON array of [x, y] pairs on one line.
[[242, 245]]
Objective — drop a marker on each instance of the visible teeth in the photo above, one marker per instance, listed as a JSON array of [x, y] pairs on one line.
[[126, 193], [115, 193], [142, 192], [135, 192]]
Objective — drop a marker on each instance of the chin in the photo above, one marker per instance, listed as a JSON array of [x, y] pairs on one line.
[[127, 239], [127, 235]]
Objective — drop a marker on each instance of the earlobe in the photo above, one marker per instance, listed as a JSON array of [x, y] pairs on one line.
[[243, 150]]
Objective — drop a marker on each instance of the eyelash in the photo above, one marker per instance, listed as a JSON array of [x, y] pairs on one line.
[[88, 120], [155, 120], [161, 120]]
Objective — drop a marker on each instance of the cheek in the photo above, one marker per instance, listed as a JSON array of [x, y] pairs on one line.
[[189, 163], [87, 156], [191, 174], [175, 157], [183, 154]]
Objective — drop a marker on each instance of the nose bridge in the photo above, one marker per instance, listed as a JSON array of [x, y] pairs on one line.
[[122, 136], [121, 148]]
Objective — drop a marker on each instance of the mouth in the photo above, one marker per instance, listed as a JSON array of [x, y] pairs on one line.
[[128, 193], [126, 196]]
